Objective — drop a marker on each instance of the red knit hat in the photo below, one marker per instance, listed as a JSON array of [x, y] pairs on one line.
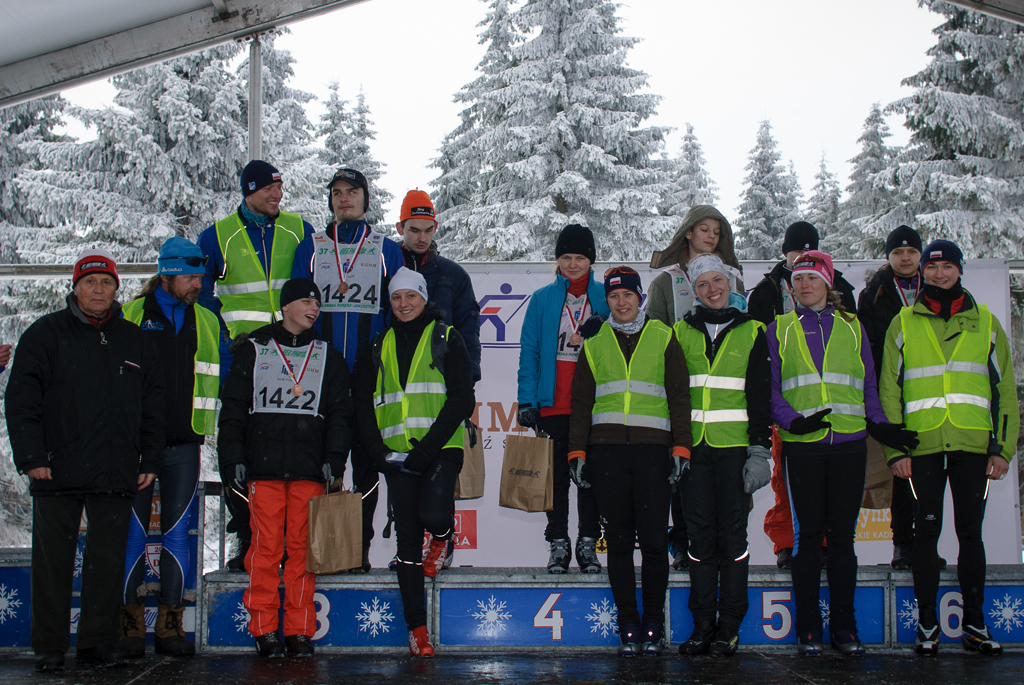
[[818, 263], [95, 261], [417, 205]]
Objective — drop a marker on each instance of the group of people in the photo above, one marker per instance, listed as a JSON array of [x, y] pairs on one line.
[[301, 348], [681, 405]]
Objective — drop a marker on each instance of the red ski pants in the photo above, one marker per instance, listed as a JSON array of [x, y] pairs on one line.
[[778, 522], [280, 518]]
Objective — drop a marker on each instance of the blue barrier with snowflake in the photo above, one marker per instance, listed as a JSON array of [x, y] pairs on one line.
[[1003, 609], [15, 592]]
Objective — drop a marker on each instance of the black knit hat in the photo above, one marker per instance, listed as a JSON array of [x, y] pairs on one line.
[[298, 289], [902, 236], [942, 251], [258, 174], [353, 178], [800, 236], [576, 239]]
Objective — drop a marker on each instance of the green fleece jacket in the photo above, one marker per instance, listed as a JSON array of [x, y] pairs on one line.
[[947, 437]]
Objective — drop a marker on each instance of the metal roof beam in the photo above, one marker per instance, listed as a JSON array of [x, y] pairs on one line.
[[55, 71], [1010, 10]]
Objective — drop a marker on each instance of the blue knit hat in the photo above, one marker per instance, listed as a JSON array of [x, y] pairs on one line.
[[258, 174], [943, 251], [180, 257], [619, 277]]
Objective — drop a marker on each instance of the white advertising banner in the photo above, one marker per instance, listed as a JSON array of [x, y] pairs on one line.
[[488, 535]]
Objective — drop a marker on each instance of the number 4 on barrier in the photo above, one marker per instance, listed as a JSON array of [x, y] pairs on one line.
[[770, 609], [555, 622]]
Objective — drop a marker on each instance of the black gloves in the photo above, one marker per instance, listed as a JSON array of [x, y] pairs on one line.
[[894, 435], [591, 326], [418, 460], [527, 417], [802, 425]]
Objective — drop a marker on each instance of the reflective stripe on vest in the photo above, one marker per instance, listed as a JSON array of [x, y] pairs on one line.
[[929, 378], [718, 399], [206, 387], [841, 385], [630, 394], [409, 412], [249, 297]]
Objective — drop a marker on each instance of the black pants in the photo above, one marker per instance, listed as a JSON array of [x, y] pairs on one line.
[[421, 502], [716, 510], [178, 478], [901, 511], [633, 492], [969, 487], [55, 522], [366, 479], [238, 508], [826, 486], [586, 504]]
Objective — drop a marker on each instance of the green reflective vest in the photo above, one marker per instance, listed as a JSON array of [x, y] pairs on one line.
[[935, 388], [841, 385], [630, 394], [718, 397], [207, 364], [409, 412], [249, 297]]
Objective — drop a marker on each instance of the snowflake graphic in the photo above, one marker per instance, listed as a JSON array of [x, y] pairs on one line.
[[1007, 613], [492, 616], [826, 612], [375, 617], [78, 562], [241, 618], [908, 614], [604, 617], [9, 603]]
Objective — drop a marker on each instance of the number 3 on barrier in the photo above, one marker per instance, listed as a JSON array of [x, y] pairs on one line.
[[769, 610], [555, 622], [323, 623]]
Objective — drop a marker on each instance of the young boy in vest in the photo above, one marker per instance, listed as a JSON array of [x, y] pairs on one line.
[[285, 430]]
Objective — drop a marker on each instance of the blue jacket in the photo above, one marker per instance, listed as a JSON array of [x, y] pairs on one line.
[[538, 342], [262, 241], [451, 291], [348, 333]]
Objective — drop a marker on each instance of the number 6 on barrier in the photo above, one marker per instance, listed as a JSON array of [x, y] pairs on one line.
[[769, 610], [555, 622]]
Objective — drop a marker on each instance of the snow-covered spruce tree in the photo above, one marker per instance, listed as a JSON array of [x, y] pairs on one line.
[[770, 200], [568, 147], [690, 183], [460, 161], [822, 209]]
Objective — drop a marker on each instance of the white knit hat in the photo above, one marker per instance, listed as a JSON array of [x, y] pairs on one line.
[[407, 279], [701, 264]]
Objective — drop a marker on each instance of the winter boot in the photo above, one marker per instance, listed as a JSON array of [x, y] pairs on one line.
[[652, 639], [727, 639], [784, 559], [558, 559], [170, 635], [586, 555], [629, 637], [901, 557], [419, 643], [269, 646], [434, 560], [299, 645], [700, 640], [449, 556], [133, 630]]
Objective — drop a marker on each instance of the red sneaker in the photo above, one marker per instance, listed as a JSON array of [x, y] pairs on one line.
[[437, 552], [419, 643]]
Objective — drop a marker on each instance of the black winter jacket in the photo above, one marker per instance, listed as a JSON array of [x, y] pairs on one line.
[[451, 291], [283, 446], [460, 402], [765, 301], [877, 306], [759, 371], [88, 403]]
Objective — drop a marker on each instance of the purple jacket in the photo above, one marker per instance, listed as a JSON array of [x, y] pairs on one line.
[[815, 327]]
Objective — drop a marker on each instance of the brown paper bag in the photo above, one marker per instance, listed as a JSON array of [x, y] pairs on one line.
[[878, 483], [335, 532], [526, 474], [470, 483]]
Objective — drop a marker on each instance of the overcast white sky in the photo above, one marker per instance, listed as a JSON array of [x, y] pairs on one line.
[[812, 67]]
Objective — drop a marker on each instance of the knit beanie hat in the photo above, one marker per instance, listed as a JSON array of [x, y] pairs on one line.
[[943, 251], [902, 236], [258, 174], [576, 239], [354, 179], [619, 277], [94, 261], [417, 205], [818, 263], [299, 289], [704, 263], [800, 236], [407, 279]]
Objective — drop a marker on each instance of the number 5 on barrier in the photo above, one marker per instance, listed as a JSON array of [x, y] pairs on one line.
[[770, 609]]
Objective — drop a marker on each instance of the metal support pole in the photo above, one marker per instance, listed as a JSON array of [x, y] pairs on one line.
[[255, 98]]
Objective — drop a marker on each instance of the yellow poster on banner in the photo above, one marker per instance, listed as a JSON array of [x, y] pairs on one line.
[[873, 525]]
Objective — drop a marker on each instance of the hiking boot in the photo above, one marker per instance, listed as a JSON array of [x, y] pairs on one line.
[[434, 560], [170, 635], [558, 559], [419, 643], [269, 646], [586, 555], [133, 630], [700, 640], [298, 645], [727, 640]]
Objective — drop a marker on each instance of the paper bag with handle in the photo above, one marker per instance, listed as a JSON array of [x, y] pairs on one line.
[[470, 483], [335, 532], [526, 474]]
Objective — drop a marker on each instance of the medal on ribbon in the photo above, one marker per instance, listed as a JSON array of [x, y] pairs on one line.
[[342, 270], [296, 388]]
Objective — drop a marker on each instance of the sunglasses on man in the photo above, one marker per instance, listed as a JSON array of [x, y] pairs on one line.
[[193, 261]]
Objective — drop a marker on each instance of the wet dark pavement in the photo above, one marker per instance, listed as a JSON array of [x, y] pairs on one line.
[[766, 667]]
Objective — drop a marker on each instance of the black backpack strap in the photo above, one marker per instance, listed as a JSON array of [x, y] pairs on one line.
[[439, 346]]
